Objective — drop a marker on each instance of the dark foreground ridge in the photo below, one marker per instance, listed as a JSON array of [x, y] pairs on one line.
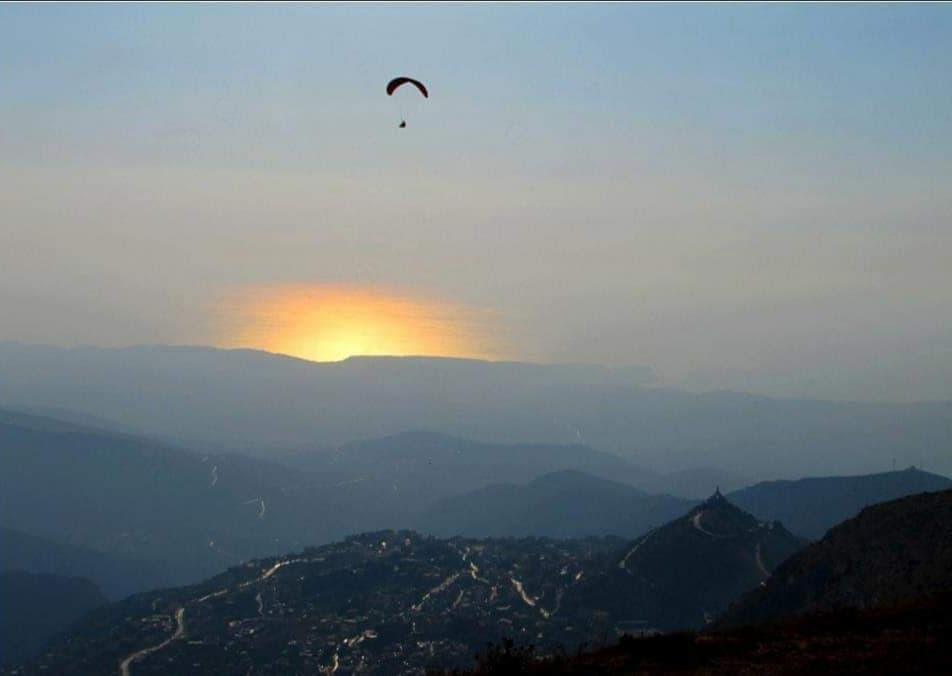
[[890, 553], [907, 638]]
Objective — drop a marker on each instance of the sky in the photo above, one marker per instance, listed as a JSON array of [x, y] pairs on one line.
[[750, 197]]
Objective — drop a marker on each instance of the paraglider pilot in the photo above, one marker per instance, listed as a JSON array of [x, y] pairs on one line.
[[397, 82]]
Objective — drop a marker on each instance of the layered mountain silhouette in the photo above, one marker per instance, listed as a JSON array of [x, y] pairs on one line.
[[186, 515], [255, 402], [573, 503], [425, 466], [561, 504], [413, 469], [891, 553], [137, 499], [115, 575], [810, 506]]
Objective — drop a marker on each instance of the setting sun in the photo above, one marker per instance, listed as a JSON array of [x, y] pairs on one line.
[[330, 323]]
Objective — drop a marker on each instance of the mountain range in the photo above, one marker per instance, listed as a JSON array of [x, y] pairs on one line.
[[185, 515], [811, 506], [560, 504], [399, 601], [133, 498], [572, 503], [156, 514], [262, 404], [412, 469], [116, 576]]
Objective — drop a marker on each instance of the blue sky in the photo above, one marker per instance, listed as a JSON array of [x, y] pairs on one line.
[[754, 77], [685, 186]]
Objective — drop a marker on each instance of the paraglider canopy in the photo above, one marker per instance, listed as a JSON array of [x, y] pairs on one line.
[[398, 82]]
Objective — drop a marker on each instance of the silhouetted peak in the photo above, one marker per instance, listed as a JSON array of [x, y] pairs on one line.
[[719, 515]]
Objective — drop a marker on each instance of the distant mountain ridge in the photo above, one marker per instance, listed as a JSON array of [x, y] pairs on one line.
[[812, 505], [133, 498], [467, 464], [419, 467], [561, 504], [185, 515], [256, 403], [116, 576], [572, 503]]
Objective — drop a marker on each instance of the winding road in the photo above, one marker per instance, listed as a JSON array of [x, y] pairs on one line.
[[696, 522], [442, 587], [623, 564], [126, 664], [529, 601], [758, 557], [125, 667]]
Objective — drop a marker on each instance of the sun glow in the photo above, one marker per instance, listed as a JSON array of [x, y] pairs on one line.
[[330, 323]]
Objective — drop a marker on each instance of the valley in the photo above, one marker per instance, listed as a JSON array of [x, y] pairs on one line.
[[462, 543]]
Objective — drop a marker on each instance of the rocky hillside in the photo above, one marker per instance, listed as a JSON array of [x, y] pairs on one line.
[[686, 572], [892, 552]]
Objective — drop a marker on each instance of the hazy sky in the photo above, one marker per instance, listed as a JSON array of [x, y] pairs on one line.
[[749, 197]]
